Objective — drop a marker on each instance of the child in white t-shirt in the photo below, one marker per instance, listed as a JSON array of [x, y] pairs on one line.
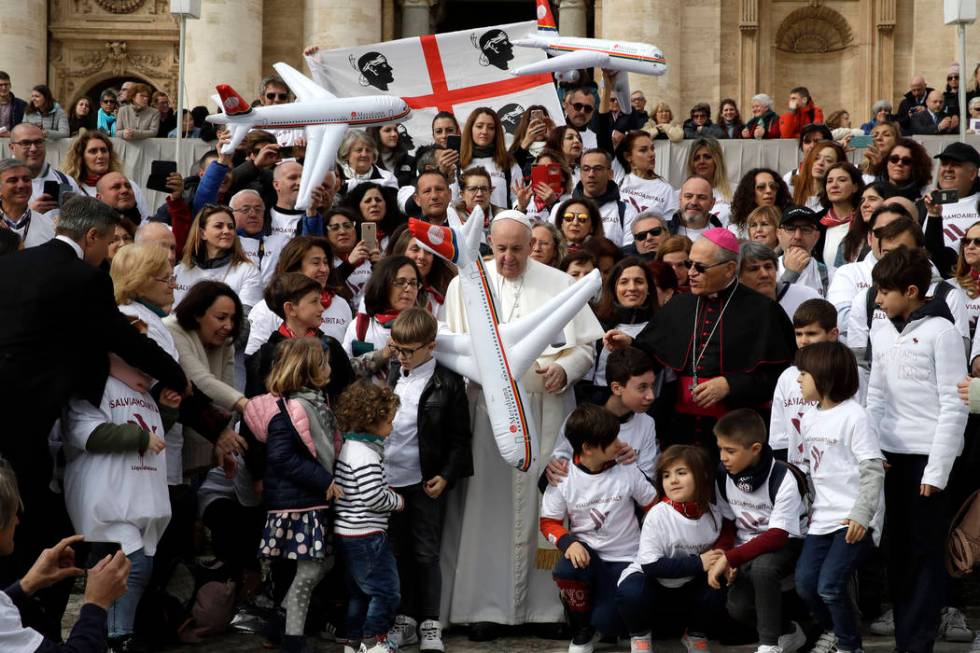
[[678, 545], [815, 320], [599, 498], [845, 463]]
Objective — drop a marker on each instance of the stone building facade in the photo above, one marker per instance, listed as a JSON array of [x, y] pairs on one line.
[[849, 53]]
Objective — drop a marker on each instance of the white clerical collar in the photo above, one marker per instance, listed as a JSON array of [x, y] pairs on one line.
[[75, 246]]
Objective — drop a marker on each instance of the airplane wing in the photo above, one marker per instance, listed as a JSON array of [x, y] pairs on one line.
[[526, 338], [565, 62], [622, 90], [302, 86], [322, 142], [455, 351]]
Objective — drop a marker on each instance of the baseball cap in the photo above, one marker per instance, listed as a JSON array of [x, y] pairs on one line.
[[793, 212], [960, 152]]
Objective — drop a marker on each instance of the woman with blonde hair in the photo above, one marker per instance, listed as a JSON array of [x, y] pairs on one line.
[[762, 226], [89, 158], [214, 252], [661, 124], [808, 183], [483, 144], [966, 274], [706, 159]]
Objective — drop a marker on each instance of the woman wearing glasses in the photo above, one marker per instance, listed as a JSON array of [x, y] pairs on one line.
[[393, 287], [106, 120], [357, 160], [483, 144], [214, 252], [138, 120], [699, 124], [908, 166], [352, 260], [578, 220], [758, 187], [547, 244], [90, 157], [967, 273], [436, 271]]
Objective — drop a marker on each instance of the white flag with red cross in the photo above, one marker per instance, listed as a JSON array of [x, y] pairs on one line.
[[456, 71]]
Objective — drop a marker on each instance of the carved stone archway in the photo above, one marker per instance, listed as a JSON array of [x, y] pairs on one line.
[[813, 30]]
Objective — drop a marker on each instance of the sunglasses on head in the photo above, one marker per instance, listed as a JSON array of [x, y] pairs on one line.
[[585, 108], [277, 96], [643, 235], [903, 160]]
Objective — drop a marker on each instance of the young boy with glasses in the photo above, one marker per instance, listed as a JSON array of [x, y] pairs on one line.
[[427, 452]]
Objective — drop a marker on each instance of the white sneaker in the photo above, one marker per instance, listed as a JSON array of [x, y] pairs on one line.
[[826, 643], [695, 643], [403, 632], [884, 625], [953, 628], [431, 636], [587, 647], [793, 641], [768, 648], [381, 646], [641, 644]]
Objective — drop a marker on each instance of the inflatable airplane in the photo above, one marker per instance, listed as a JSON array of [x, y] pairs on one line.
[[323, 116], [570, 54], [497, 355]]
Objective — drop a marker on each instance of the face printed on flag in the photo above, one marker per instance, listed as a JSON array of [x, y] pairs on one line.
[[456, 71], [510, 116]]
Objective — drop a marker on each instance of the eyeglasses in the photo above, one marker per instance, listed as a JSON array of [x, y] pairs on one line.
[[699, 115], [170, 281], [900, 160], [701, 268], [950, 78], [407, 352], [405, 283], [583, 108], [108, 101], [277, 96], [29, 144], [477, 189], [596, 169], [643, 235], [341, 226], [966, 242], [580, 218], [254, 210], [805, 229]]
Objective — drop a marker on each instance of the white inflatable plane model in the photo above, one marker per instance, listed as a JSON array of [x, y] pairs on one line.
[[570, 54], [497, 355], [322, 115]]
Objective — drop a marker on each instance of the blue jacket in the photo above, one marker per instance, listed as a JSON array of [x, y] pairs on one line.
[[294, 479]]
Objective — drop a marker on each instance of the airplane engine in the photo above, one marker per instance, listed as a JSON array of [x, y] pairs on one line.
[[570, 76]]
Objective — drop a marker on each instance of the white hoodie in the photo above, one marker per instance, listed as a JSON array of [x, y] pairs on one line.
[[912, 397], [848, 281]]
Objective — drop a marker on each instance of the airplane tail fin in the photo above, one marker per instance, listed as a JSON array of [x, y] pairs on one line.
[[232, 103], [546, 21], [441, 241]]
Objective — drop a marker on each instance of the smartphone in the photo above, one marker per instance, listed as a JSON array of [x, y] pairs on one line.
[[949, 196], [549, 174], [537, 114], [864, 140], [53, 190], [369, 234], [454, 141], [89, 553], [159, 171], [287, 151]]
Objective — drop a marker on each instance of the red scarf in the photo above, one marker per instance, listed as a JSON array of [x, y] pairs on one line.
[[689, 509], [975, 274], [92, 180], [831, 219], [385, 319], [434, 294], [287, 332], [326, 298]]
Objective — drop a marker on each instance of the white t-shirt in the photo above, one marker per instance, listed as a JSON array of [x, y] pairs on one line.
[[666, 533], [788, 408], [754, 512], [639, 432], [832, 241], [376, 335], [654, 195], [972, 306], [284, 224], [38, 231], [14, 636], [810, 276], [402, 464], [243, 278], [116, 497], [794, 295], [263, 322], [599, 508], [835, 441], [957, 218], [722, 208], [356, 281], [498, 196]]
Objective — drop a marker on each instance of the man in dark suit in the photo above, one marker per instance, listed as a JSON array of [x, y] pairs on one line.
[[58, 323], [933, 120]]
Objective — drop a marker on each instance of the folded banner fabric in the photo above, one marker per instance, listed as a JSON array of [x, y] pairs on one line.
[[456, 71]]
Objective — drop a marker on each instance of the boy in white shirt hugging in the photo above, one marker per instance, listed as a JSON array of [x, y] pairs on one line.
[[912, 401], [598, 497]]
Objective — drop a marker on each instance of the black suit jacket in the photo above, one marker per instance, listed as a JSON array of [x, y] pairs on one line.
[[58, 323], [921, 123]]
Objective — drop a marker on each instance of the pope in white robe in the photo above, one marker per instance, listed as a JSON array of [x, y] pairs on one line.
[[502, 565]]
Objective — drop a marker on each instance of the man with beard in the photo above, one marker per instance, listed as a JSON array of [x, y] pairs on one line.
[[694, 216]]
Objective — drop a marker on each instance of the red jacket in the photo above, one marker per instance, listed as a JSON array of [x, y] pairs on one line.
[[792, 122]]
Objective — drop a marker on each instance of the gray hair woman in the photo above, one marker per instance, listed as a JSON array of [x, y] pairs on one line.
[[764, 122], [880, 112], [357, 159]]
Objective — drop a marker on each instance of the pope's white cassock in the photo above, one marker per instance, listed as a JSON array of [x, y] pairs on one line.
[[503, 567]]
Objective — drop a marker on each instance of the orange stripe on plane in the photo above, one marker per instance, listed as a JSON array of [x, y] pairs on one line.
[[611, 53]]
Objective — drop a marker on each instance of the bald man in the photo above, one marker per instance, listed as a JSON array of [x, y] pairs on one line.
[[158, 233], [933, 120], [913, 102], [116, 190]]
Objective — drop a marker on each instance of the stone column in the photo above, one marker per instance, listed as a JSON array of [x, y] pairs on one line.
[[884, 55], [649, 21], [416, 17], [224, 46], [748, 51], [572, 18], [25, 44], [341, 24]]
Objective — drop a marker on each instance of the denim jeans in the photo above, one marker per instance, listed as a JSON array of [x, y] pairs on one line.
[[372, 580], [823, 575], [591, 593], [122, 612], [638, 597]]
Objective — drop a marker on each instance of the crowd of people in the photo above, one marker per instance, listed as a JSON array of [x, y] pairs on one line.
[[767, 398]]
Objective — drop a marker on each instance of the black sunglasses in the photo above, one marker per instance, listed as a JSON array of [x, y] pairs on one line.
[[966, 242], [701, 268], [277, 96], [643, 235], [586, 108]]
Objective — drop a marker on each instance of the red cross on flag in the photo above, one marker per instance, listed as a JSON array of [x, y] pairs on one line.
[[456, 71]]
